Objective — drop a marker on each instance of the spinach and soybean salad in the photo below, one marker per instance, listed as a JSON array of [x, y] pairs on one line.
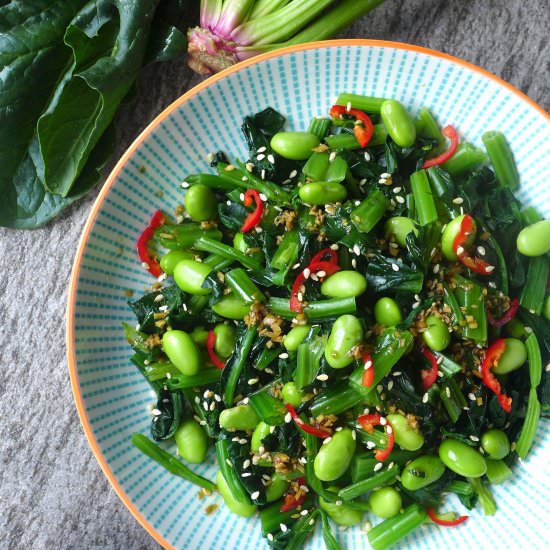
[[356, 320]]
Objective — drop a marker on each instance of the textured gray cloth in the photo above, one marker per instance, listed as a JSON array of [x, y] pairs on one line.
[[52, 491]]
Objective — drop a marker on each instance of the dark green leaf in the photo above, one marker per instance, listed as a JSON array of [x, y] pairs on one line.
[[168, 414]]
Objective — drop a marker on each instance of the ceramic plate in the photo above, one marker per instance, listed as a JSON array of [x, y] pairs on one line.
[[111, 395]]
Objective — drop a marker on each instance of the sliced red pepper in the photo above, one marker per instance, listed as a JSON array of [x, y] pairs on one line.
[[329, 268], [322, 256], [491, 358], [368, 421], [429, 376], [509, 314], [445, 522], [254, 218], [308, 428], [363, 128], [459, 246], [291, 502], [368, 373], [451, 133], [142, 244], [210, 343]]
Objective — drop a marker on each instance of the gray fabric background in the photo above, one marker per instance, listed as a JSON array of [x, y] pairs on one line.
[[52, 492]]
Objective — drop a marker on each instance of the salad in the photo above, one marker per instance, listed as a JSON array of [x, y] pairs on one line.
[[356, 319]]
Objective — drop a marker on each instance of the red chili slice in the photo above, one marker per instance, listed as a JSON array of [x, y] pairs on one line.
[[368, 373], [291, 502], [492, 355], [327, 268], [321, 256], [312, 430], [210, 343], [509, 314], [459, 246], [445, 522], [142, 244], [368, 421], [451, 133], [429, 376], [363, 128], [254, 218]]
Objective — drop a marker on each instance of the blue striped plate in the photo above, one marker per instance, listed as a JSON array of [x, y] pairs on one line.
[[113, 399]]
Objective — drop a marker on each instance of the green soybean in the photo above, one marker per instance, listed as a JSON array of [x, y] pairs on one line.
[[496, 444], [452, 229], [240, 417], [199, 335], [387, 312], [344, 284], [534, 240], [189, 276], [385, 502], [346, 333], [200, 203], [244, 510], [399, 227], [231, 307], [436, 336], [334, 457], [295, 337], [340, 513], [182, 351], [546, 307], [421, 472], [276, 489], [170, 260], [462, 459], [261, 431], [514, 356], [294, 145], [192, 441], [398, 123], [291, 394], [515, 329], [407, 437], [225, 340], [322, 192]]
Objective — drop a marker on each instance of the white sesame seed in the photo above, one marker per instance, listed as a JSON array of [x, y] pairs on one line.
[[382, 181], [366, 156], [322, 377], [197, 399], [334, 247], [436, 269], [415, 305], [425, 398], [262, 175], [332, 156], [356, 250], [458, 200], [321, 273], [217, 398], [304, 512], [490, 269], [261, 156], [255, 495], [389, 430], [378, 466], [547, 368], [371, 444], [460, 250], [481, 250], [205, 405], [156, 412], [262, 149], [288, 417], [354, 435], [492, 284], [283, 355], [385, 175], [397, 373], [213, 406], [295, 266], [327, 440], [448, 391], [293, 174], [400, 199], [159, 298], [390, 385], [283, 527], [471, 396], [246, 400], [236, 439], [383, 421], [312, 521], [145, 265], [246, 464], [263, 197], [241, 196], [252, 381], [269, 537], [338, 503], [357, 203], [354, 263], [306, 273], [271, 159], [229, 463], [184, 184], [474, 438], [395, 267], [397, 190]]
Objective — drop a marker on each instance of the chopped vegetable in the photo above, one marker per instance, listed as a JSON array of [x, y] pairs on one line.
[[144, 255]]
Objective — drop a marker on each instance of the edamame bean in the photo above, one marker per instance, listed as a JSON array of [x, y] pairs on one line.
[[291, 394], [515, 329], [231, 307], [192, 441], [199, 335], [340, 513], [344, 284], [334, 457], [240, 417], [534, 240], [189, 276], [322, 192], [546, 307], [462, 459], [294, 145], [276, 489], [400, 227], [385, 502], [225, 340], [496, 444], [261, 431], [295, 337], [514, 356], [346, 333], [182, 351], [398, 123], [244, 510], [170, 260], [200, 203], [387, 312], [421, 472], [407, 437], [436, 336], [452, 229]]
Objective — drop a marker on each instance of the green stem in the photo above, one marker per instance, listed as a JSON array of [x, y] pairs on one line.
[[324, 309], [242, 286], [425, 209], [335, 400], [228, 252], [377, 480], [229, 473], [330, 541], [502, 159], [370, 211], [236, 363], [532, 295], [529, 428]]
